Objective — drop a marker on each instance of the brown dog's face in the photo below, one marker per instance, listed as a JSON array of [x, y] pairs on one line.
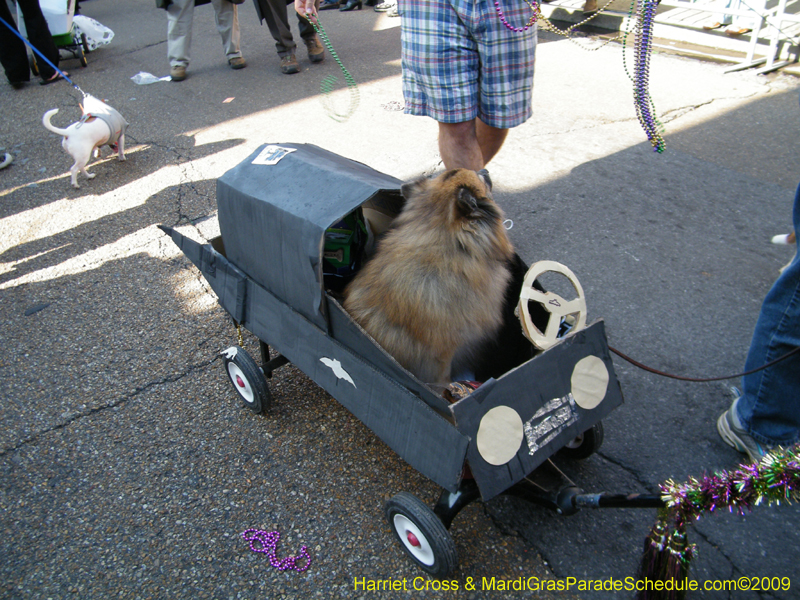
[[460, 196], [460, 201]]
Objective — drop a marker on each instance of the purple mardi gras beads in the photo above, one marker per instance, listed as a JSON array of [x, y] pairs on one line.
[[644, 106], [267, 542], [503, 20], [645, 11]]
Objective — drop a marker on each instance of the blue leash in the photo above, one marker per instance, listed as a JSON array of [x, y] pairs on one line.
[[29, 45]]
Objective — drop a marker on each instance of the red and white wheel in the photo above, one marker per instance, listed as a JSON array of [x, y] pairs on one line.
[[422, 535], [240, 383], [247, 379], [413, 539]]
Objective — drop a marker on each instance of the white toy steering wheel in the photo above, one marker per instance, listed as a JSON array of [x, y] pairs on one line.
[[552, 303]]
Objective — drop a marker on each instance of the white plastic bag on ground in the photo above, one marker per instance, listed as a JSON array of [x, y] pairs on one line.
[[142, 78], [96, 33]]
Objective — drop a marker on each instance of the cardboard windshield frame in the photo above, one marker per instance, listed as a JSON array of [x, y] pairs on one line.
[[540, 392]]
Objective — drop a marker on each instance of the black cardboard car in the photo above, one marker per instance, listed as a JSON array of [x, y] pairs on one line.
[[268, 270]]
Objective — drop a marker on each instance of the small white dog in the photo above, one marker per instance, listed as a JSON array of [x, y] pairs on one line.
[[100, 125]]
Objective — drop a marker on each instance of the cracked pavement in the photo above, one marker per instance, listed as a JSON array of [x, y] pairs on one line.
[[129, 470]]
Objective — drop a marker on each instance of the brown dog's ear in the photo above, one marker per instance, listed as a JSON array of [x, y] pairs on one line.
[[466, 203], [408, 189], [486, 179]]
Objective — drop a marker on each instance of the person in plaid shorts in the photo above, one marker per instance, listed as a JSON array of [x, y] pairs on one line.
[[468, 64]]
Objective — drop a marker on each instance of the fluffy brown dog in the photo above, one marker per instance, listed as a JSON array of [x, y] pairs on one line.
[[435, 288]]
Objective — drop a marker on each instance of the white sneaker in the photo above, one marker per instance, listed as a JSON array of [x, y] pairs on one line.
[[733, 434]]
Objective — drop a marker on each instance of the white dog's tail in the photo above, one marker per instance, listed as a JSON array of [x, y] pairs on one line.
[[53, 128]]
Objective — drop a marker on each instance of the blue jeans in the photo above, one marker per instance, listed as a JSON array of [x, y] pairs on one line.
[[769, 408]]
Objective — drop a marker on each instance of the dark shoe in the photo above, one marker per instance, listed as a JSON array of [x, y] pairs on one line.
[[289, 64], [328, 4], [351, 5], [237, 63], [316, 53], [177, 73], [17, 85]]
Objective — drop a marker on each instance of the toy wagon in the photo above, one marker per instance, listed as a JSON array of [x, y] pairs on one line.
[[295, 222]]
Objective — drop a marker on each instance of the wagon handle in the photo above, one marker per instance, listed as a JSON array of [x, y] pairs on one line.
[[605, 500]]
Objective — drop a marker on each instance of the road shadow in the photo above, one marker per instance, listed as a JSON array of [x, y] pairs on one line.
[[110, 173], [176, 204]]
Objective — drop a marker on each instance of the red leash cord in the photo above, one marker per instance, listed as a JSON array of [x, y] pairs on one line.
[[702, 380]]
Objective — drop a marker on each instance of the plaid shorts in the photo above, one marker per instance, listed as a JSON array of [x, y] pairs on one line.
[[460, 61]]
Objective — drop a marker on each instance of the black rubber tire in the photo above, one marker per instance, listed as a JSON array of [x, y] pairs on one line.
[[82, 57], [585, 444], [34, 66], [85, 43], [247, 379], [437, 552]]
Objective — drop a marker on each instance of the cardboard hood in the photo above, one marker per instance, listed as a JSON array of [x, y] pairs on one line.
[[273, 219]]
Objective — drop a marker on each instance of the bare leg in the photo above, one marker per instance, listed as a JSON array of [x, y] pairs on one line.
[[121, 147], [490, 140], [470, 144], [458, 146]]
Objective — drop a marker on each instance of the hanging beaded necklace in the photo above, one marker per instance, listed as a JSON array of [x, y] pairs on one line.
[[326, 87], [531, 21], [643, 44], [642, 13]]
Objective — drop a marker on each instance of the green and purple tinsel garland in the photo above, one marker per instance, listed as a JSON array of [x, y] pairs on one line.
[[774, 479], [667, 553]]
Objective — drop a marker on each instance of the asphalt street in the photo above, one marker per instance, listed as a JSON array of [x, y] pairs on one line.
[[129, 469]]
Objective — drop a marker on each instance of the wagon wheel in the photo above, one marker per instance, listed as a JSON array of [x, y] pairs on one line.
[[247, 379], [82, 56], [85, 43], [34, 66], [585, 444], [422, 534]]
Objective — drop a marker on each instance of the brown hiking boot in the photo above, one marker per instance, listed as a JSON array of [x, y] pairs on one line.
[[316, 53], [177, 73], [237, 63], [289, 64]]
